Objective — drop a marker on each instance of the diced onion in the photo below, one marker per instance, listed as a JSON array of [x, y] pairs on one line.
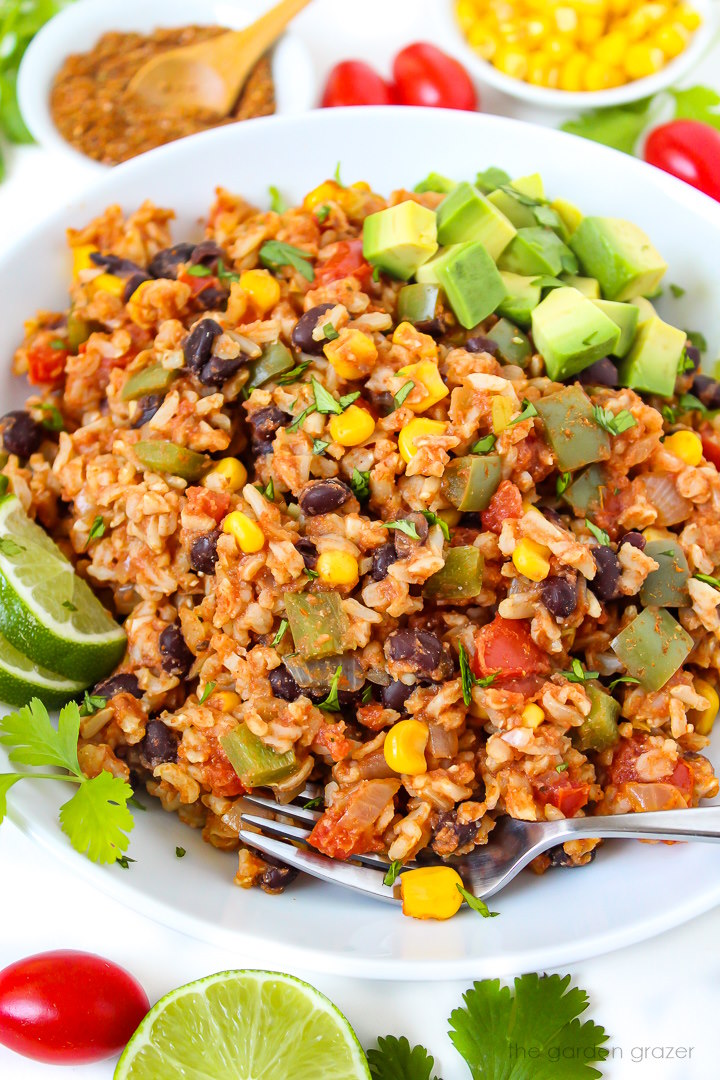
[[319, 674], [663, 495], [645, 797]]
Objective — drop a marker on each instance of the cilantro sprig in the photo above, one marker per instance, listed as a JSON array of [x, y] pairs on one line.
[[600, 535], [613, 424], [274, 255], [332, 701], [469, 679], [407, 527], [96, 820], [395, 1059], [578, 674], [433, 519]]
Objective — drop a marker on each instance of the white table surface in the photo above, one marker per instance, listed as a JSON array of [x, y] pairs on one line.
[[659, 1000]]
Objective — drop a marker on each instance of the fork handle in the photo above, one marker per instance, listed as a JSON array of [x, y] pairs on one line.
[[700, 823]]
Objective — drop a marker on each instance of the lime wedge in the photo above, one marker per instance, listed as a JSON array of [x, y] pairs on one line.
[[47, 611], [244, 1025], [21, 680]]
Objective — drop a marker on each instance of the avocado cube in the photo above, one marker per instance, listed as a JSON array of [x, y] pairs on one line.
[[585, 494], [470, 482], [666, 586], [571, 332], [588, 286], [522, 296], [490, 179], [531, 187], [599, 730], [536, 251], [469, 279], [625, 316], [435, 182], [652, 363], [513, 346], [465, 214], [400, 239], [619, 255], [645, 309], [520, 214], [652, 647], [570, 429], [569, 214]]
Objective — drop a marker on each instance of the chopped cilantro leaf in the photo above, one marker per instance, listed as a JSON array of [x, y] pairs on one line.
[[395, 1059], [484, 445], [433, 519], [207, 691], [293, 375], [360, 484], [528, 410], [280, 634], [97, 529], [403, 392], [614, 425], [366, 696], [319, 446], [476, 903], [677, 291], [52, 420], [600, 535], [332, 701], [322, 213], [622, 679], [697, 339], [407, 527], [199, 271], [180, 852], [392, 873], [330, 332], [277, 202], [577, 674], [314, 804], [274, 255], [715, 582], [563, 483]]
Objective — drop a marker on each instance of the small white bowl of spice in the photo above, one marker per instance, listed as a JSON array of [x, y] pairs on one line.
[[73, 76]]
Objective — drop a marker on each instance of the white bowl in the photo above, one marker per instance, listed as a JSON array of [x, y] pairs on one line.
[[77, 28], [632, 890], [566, 99]]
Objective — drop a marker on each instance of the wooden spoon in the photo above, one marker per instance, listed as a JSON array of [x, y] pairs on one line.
[[209, 76]]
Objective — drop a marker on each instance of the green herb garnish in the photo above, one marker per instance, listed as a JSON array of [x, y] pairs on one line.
[[614, 425], [360, 484], [484, 445], [274, 255], [332, 701], [528, 410], [207, 691], [600, 535], [433, 519], [319, 446], [277, 202], [280, 634], [403, 392], [578, 673], [392, 873], [199, 271], [330, 332], [97, 529], [715, 582], [407, 527], [562, 483], [476, 903]]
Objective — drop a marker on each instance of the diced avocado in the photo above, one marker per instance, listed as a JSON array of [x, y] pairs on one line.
[[513, 346], [569, 213], [588, 286], [599, 730], [532, 186], [645, 309], [570, 429], [435, 182], [469, 279], [256, 764], [522, 296], [418, 304], [652, 363], [619, 255], [537, 251], [465, 214], [571, 333], [666, 586], [521, 215], [585, 494], [491, 178], [400, 239], [469, 483], [625, 316], [652, 647], [460, 578]]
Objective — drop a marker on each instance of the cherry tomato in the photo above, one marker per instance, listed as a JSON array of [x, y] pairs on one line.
[[689, 150], [505, 646], [46, 365], [347, 260], [68, 1008], [355, 83], [425, 75]]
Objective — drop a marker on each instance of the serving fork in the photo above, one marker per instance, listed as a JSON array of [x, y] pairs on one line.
[[485, 870]]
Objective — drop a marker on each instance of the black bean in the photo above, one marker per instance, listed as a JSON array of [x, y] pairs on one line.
[[601, 373], [693, 355], [159, 745], [198, 344], [165, 264], [453, 834], [203, 553], [283, 684], [302, 332], [559, 596], [383, 401], [308, 551], [420, 651], [552, 514], [147, 407], [635, 538], [482, 344], [176, 657], [559, 857], [323, 496], [395, 694], [113, 264], [133, 283], [605, 582], [707, 389], [265, 424], [214, 298], [207, 253], [276, 876], [125, 683], [383, 558], [21, 434], [405, 544], [217, 371]]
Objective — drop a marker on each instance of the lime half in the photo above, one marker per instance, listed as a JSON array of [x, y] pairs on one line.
[[47, 611], [21, 680], [244, 1025]]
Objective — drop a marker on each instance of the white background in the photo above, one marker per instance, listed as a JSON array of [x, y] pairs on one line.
[[661, 994]]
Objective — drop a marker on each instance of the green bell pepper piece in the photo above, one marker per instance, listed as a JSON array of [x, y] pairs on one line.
[[598, 730], [570, 429], [460, 577], [154, 379], [652, 647], [469, 483], [168, 457], [318, 623], [418, 304], [513, 346], [666, 587], [254, 762], [276, 359], [585, 494], [78, 331]]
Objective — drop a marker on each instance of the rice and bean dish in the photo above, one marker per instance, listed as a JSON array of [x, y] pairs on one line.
[[359, 536]]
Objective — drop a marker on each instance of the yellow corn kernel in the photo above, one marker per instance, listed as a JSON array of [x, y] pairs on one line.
[[483, 41], [337, 568], [404, 747], [511, 62], [532, 715], [108, 283], [224, 700], [428, 382], [651, 533], [352, 354], [687, 17], [537, 30], [466, 14], [539, 65], [229, 474], [595, 76], [531, 559], [571, 73], [431, 892], [566, 19], [686, 445], [672, 39], [409, 337], [262, 288], [451, 517], [247, 534], [642, 60], [352, 427], [561, 49], [81, 259], [530, 508], [611, 49], [414, 430], [325, 192], [703, 720], [502, 413], [591, 29]]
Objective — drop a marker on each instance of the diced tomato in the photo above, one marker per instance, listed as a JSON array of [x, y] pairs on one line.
[[348, 260], [330, 737], [199, 284], [505, 646], [46, 365], [711, 445], [624, 767], [505, 503], [682, 778], [348, 827], [214, 504], [562, 791], [221, 778]]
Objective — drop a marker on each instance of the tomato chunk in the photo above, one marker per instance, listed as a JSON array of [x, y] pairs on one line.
[[348, 827], [561, 791], [505, 503], [505, 646], [347, 261], [46, 365], [623, 768]]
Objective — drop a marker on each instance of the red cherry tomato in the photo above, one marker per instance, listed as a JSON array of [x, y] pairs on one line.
[[425, 75], [355, 83], [68, 1008], [689, 150], [347, 261]]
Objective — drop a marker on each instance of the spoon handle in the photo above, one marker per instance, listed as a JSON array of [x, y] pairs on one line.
[[267, 29]]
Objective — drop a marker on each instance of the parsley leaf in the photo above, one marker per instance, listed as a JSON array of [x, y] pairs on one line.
[[360, 484], [476, 903], [97, 529], [403, 392], [314, 804], [528, 410], [614, 425], [578, 673], [330, 332], [393, 873], [332, 701], [293, 374], [319, 446], [677, 291], [207, 691], [697, 339], [715, 582], [407, 527], [322, 213], [563, 483], [52, 420], [433, 519], [277, 202], [274, 255], [600, 535], [484, 445], [199, 271], [280, 634], [395, 1059], [622, 679], [96, 820]]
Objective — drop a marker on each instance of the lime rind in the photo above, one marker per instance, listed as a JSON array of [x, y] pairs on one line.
[[21, 680], [244, 1025]]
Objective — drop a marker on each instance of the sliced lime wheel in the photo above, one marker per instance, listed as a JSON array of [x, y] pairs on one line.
[[244, 1025], [47, 612], [21, 680]]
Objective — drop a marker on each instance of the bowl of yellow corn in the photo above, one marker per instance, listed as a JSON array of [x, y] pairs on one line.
[[580, 53]]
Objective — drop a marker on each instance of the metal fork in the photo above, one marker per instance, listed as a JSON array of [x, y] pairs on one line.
[[513, 844]]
